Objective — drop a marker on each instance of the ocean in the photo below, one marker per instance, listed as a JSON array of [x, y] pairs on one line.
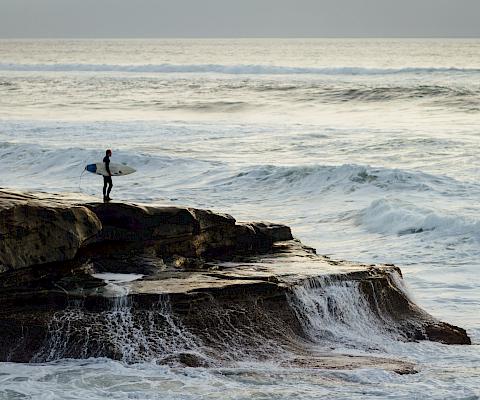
[[367, 148]]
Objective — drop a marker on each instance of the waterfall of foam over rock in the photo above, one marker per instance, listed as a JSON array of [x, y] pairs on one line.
[[332, 313], [60, 333], [336, 313], [129, 337], [126, 334]]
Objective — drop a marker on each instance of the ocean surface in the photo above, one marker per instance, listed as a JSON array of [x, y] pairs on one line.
[[368, 149]]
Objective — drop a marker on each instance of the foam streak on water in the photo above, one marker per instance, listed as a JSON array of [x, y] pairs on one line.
[[367, 148]]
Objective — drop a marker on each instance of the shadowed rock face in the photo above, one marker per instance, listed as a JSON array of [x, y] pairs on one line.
[[35, 232], [209, 290], [186, 232]]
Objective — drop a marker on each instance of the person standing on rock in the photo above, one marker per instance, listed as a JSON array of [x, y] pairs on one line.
[[107, 180]]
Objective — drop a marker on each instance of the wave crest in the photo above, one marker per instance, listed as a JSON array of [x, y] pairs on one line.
[[239, 69], [389, 216], [324, 178]]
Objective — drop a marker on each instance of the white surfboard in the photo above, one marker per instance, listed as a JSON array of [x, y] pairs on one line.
[[116, 169]]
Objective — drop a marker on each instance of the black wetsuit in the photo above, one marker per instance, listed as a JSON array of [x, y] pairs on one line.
[[107, 180]]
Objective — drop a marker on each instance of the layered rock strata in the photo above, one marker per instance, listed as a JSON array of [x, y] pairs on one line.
[[206, 291]]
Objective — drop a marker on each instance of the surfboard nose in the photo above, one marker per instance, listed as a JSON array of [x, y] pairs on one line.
[[91, 168]]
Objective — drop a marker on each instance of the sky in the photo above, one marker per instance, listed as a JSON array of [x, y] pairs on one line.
[[238, 18]]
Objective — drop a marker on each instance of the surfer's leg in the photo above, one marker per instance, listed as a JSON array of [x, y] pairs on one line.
[[110, 185], [105, 180]]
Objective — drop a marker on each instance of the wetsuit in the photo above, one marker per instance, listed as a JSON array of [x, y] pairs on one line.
[[107, 180]]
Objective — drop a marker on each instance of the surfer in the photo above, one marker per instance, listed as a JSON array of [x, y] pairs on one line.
[[107, 180]]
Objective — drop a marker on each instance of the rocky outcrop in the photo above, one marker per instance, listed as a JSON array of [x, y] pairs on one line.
[[42, 229], [34, 231], [186, 232], [207, 290]]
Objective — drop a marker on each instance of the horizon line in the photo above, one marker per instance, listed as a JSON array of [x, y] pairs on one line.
[[230, 37]]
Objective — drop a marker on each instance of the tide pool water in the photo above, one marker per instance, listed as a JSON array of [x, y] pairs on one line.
[[368, 149]]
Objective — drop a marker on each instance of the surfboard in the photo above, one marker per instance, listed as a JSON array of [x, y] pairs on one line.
[[116, 169]]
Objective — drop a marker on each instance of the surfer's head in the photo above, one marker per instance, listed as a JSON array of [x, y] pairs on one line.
[[108, 152]]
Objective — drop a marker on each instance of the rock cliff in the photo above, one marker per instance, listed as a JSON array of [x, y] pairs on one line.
[[186, 286]]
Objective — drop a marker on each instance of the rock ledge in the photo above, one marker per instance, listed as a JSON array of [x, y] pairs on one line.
[[206, 291]]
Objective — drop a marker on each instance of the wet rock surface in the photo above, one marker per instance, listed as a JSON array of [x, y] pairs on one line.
[[207, 291]]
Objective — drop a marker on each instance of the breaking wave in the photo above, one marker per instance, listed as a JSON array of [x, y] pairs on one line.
[[238, 69], [59, 166], [391, 216], [381, 199], [346, 177]]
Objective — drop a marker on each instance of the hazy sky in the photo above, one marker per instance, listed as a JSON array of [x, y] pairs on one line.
[[239, 18]]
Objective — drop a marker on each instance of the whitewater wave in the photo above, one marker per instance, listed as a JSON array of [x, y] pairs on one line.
[[393, 216], [239, 69], [32, 158], [55, 166], [347, 178], [62, 169]]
